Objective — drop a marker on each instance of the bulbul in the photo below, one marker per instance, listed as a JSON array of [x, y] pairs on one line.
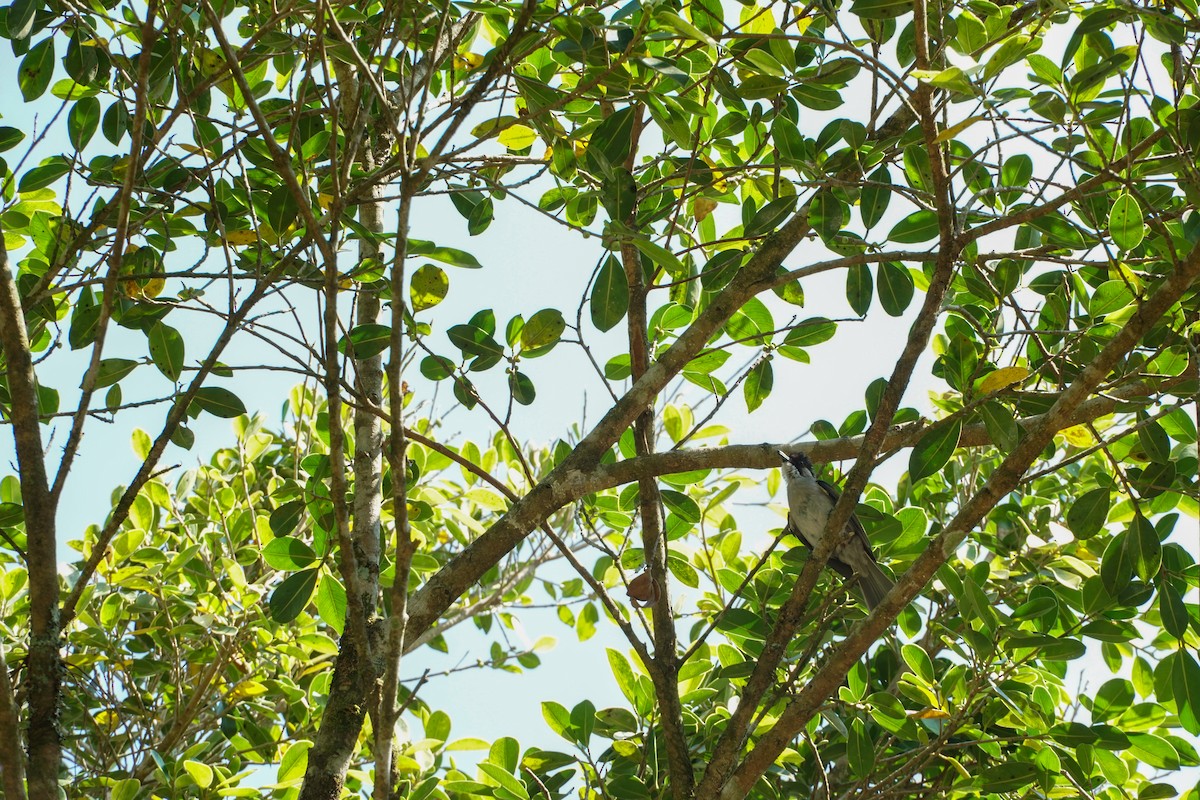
[[810, 501]]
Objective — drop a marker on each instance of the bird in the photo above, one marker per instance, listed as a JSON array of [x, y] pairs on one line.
[[810, 502]]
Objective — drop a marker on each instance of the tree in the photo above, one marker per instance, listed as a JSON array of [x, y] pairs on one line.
[[1024, 173]]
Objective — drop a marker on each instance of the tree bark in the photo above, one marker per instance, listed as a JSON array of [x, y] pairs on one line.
[[44, 666]]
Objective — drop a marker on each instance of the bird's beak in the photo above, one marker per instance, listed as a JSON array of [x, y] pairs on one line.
[[784, 456]]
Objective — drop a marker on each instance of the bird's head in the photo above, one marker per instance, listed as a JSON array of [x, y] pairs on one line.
[[797, 462]]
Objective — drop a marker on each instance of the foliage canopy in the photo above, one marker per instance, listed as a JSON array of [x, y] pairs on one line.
[[1018, 182]]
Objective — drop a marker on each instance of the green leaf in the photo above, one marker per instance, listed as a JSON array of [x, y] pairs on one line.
[[683, 571], [788, 140], [112, 370], [1116, 565], [612, 141], [1185, 685], [681, 506], [876, 195], [316, 146], [37, 68], [438, 726], [43, 176], [294, 762], [1173, 611], [1001, 425], [880, 9], [1155, 442], [366, 341], [446, 255], [1126, 223], [543, 330], [1143, 549], [521, 387], [859, 289], [1087, 514], [1114, 697], [610, 295], [331, 602], [661, 257], [428, 287], [895, 286], [282, 209], [166, 349], [10, 137], [126, 789], [21, 14], [202, 774], [860, 750], [558, 718], [219, 402], [288, 553], [585, 623], [811, 331], [624, 675], [1154, 751], [934, 449], [291, 596], [504, 780], [770, 217], [918, 661], [758, 383], [583, 718], [82, 122], [919, 226], [437, 368]]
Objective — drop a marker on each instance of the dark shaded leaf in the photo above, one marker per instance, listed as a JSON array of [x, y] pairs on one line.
[[521, 387], [895, 286], [37, 68], [934, 449], [166, 349], [859, 289], [1086, 515], [219, 402], [291, 596], [366, 341]]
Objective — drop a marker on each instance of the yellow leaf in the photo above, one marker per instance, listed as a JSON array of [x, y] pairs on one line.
[[209, 62], [467, 60], [1005, 376], [930, 713], [702, 207], [517, 137], [757, 20], [153, 287], [193, 149], [957, 128], [241, 238], [1078, 435], [248, 689]]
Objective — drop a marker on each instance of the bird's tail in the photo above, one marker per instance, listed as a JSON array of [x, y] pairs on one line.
[[874, 584]]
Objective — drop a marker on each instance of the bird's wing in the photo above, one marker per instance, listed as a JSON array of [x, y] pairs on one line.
[[855, 525]]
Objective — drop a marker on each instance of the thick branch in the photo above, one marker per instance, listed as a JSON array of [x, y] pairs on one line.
[[44, 666]]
